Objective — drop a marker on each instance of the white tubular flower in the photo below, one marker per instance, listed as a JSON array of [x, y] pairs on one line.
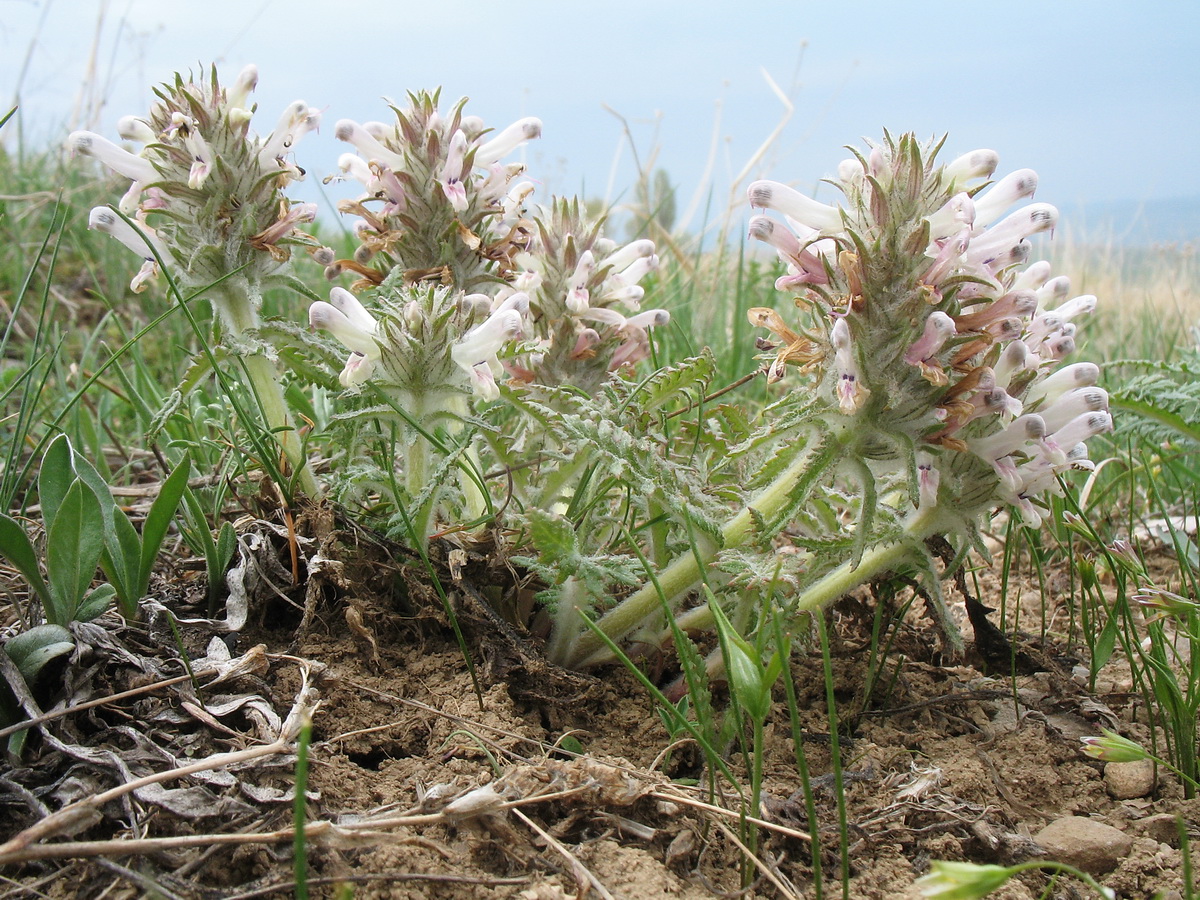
[[577, 292], [120, 161], [144, 242], [1014, 228], [851, 171], [635, 271], [631, 296], [243, 86], [790, 202], [850, 391], [1073, 404], [134, 128], [517, 300], [352, 133], [1015, 186], [513, 206], [1011, 361], [1076, 431], [357, 370], [1034, 276], [957, 213], [475, 353], [346, 319], [1077, 306], [1004, 443], [1041, 328], [619, 259], [347, 304], [970, 166], [357, 168], [651, 318], [381, 131], [355, 328], [507, 141], [1053, 291], [297, 120], [528, 280], [1059, 347], [604, 315]]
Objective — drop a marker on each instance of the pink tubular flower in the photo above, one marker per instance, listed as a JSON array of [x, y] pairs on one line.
[[452, 172]]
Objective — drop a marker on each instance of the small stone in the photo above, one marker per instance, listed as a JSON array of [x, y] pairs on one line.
[[1161, 827], [1084, 843], [1126, 780]]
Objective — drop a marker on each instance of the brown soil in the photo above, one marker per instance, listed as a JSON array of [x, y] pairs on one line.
[[941, 761]]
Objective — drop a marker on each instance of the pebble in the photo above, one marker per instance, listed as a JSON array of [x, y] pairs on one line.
[[1161, 827], [1127, 780], [1084, 843]]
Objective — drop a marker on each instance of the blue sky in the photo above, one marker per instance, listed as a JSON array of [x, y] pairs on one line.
[[1102, 99]]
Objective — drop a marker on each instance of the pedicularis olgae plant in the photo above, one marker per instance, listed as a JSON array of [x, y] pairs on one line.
[[492, 384], [207, 201]]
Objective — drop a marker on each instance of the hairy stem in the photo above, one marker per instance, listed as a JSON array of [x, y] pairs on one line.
[[684, 572], [239, 311]]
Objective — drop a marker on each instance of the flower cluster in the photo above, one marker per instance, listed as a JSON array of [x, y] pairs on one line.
[[585, 300], [418, 347], [441, 206], [929, 328], [439, 203], [212, 188]]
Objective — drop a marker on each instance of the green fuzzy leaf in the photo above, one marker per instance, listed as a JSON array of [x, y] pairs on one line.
[[158, 520], [74, 545], [16, 547], [55, 477], [122, 549], [97, 601], [31, 650], [554, 538], [88, 474]]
